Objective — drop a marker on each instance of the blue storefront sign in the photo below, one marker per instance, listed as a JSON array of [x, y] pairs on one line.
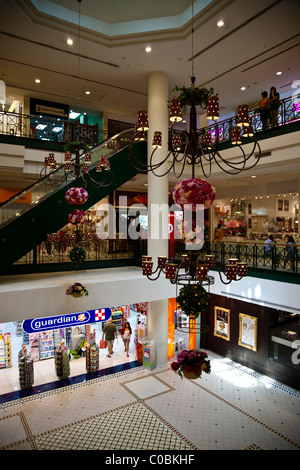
[[64, 321]]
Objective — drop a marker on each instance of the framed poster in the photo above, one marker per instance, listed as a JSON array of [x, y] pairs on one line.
[[222, 323], [248, 331], [280, 204]]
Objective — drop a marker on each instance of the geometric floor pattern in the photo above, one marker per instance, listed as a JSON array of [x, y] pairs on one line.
[[233, 408]]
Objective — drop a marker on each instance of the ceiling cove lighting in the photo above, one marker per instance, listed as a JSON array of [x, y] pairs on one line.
[[196, 147]]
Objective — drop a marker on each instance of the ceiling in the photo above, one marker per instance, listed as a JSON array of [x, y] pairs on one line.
[[258, 39]]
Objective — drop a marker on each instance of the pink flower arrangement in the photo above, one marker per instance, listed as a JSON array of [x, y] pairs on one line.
[[192, 361], [194, 191], [76, 217], [77, 290], [76, 196]]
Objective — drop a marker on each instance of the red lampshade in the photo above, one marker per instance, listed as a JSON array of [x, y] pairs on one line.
[[51, 161], [142, 124], [209, 260], [233, 260], [103, 164], [207, 143], [46, 162], [161, 261], [213, 108], [243, 115], [176, 142], [231, 271], [171, 269], [202, 270], [242, 269], [156, 143], [146, 258], [67, 157], [68, 166], [88, 158], [175, 110], [147, 268], [139, 135], [85, 168], [248, 131], [236, 135]]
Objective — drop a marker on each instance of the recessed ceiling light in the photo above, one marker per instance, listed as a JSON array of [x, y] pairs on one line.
[[37, 80], [243, 88], [70, 41], [148, 49], [253, 176], [220, 23], [87, 92], [278, 73]]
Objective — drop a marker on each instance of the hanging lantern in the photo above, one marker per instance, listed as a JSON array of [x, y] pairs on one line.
[[231, 272], [236, 135], [171, 269], [156, 143], [147, 268], [88, 158], [248, 131], [242, 269], [67, 157], [213, 108], [243, 115], [175, 110], [161, 261], [202, 270], [176, 142], [142, 124], [207, 143]]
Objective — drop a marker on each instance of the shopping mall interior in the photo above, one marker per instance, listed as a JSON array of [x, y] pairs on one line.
[[149, 188]]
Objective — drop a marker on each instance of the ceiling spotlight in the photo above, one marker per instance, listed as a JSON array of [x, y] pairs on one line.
[[70, 41], [243, 88], [37, 80], [148, 49], [87, 92], [278, 73], [220, 23]]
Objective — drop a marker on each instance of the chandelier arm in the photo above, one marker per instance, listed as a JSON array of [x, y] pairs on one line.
[[143, 168], [231, 165], [182, 167]]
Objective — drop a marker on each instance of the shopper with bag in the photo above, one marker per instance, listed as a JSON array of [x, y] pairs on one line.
[[126, 333], [110, 331]]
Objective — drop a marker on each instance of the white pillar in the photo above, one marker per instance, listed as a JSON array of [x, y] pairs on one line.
[[157, 195]]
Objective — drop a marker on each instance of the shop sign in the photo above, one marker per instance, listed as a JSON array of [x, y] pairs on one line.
[[63, 321]]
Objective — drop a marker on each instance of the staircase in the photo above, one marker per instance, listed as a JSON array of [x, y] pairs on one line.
[[48, 212]]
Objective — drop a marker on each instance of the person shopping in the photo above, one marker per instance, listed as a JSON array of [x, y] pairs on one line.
[[126, 333], [111, 332]]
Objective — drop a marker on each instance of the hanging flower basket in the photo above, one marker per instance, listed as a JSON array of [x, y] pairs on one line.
[[193, 299], [73, 146], [76, 217], [191, 364], [77, 255], [76, 196], [196, 96], [194, 191], [77, 290]]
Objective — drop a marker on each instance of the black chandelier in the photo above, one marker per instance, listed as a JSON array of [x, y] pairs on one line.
[[77, 167], [196, 146], [192, 268]]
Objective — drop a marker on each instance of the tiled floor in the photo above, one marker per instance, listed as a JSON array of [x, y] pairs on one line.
[[131, 409]]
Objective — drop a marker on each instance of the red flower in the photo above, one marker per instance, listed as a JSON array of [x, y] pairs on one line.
[[175, 365]]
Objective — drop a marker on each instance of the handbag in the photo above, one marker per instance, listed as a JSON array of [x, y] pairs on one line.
[[103, 344]]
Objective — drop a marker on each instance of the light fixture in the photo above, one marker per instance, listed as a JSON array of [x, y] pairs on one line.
[[278, 73], [220, 23], [37, 80], [243, 88], [196, 147], [148, 49], [70, 41], [191, 268], [87, 92]]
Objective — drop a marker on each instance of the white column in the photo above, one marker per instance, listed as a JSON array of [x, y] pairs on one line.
[[157, 195]]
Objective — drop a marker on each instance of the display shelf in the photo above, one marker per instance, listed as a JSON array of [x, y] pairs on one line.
[[46, 345], [2, 351], [62, 361], [92, 354], [8, 354], [117, 317], [34, 346], [26, 371]]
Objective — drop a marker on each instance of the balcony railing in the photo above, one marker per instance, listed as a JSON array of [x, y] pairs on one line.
[[49, 129]]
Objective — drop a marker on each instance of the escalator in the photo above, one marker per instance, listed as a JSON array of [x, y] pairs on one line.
[[48, 210]]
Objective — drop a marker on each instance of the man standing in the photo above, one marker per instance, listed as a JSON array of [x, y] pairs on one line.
[[111, 332]]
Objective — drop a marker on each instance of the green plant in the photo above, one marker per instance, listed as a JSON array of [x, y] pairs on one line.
[[77, 255], [193, 299], [197, 94], [73, 146]]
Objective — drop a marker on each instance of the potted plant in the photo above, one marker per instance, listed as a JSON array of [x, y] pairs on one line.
[[192, 95], [77, 255], [77, 290], [191, 364]]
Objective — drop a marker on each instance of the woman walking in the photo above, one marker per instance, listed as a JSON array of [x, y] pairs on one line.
[[126, 333]]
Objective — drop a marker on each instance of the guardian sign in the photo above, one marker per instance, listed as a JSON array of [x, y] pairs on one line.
[[63, 321]]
